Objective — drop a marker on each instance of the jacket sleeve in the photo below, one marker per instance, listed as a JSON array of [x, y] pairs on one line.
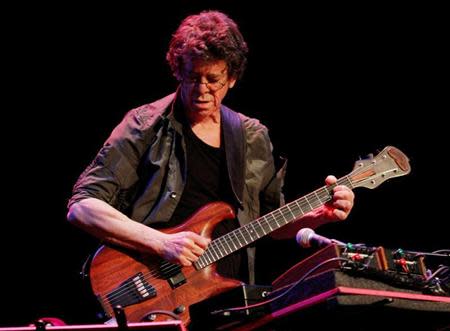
[[263, 181], [113, 172]]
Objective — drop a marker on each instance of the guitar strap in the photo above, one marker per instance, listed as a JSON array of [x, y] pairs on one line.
[[234, 140], [235, 150]]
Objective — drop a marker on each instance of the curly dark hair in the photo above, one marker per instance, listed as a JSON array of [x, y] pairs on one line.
[[208, 36]]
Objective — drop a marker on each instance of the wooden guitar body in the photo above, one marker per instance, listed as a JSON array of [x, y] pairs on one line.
[[111, 267]]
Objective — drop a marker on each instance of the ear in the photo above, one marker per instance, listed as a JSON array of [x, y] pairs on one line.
[[231, 82]]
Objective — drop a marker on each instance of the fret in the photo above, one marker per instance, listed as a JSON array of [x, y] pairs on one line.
[[223, 247], [288, 208], [276, 218], [199, 263], [295, 211], [243, 235], [250, 232], [261, 225], [307, 200], [318, 198], [268, 222], [265, 228], [320, 195], [303, 206], [345, 181], [235, 240], [207, 256], [213, 252], [254, 225], [210, 256], [232, 241], [236, 234], [327, 195], [300, 207], [281, 211], [313, 200], [226, 242], [306, 204], [202, 260]]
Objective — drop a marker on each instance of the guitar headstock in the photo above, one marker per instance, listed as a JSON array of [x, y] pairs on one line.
[[389, 163]]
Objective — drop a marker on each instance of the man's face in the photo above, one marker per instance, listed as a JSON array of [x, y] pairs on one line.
[[204, 85]]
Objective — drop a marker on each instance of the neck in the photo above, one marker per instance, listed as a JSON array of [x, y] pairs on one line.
[[195, 118]]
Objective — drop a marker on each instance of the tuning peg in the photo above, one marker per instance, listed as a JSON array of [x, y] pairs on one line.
[[369, 156]]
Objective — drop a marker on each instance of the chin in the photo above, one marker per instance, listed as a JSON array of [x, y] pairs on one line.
[[201, 108]]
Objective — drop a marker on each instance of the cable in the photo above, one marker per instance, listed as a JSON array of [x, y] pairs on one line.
[[238, 309], [149, 316], [447, 251]]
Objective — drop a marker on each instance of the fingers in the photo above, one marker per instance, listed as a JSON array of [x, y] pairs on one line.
[[343, 199], [194, 247], [185, 247], [330, 180], [343, 193], [187, 257], [343, 206], [340, 191], [199, 240], [340, 214]]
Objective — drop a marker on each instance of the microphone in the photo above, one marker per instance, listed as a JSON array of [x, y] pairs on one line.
[[306, 238]]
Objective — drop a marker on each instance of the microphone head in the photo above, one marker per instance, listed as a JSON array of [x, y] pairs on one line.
[[304, 237]]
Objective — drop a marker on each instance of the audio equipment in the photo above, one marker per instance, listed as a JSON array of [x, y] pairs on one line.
[[212, 312], [144, 326]]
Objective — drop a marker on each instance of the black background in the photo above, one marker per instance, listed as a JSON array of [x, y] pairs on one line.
[[332, 83]]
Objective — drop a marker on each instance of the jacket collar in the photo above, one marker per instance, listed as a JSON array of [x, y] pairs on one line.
[[234, 140]]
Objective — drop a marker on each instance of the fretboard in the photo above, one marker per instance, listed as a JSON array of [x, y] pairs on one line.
[[247, 234]]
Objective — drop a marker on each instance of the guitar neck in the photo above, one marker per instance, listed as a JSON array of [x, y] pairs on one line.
[[245, 235]]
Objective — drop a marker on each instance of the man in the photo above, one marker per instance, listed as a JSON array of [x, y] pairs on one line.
[[167, 159]]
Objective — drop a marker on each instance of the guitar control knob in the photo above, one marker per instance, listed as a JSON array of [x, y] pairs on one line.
[[180, 309]]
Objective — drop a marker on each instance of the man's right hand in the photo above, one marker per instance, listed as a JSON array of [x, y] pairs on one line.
[[183, 247]]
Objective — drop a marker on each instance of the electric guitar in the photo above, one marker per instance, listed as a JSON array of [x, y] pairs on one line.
[[145, 284]]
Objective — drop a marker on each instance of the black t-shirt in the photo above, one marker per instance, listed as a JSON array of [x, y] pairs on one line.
[[208, 181]]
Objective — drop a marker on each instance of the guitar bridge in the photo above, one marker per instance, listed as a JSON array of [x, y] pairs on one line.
[[133, 290]]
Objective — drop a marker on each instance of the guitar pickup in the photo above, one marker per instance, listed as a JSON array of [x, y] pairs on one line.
[[172, 273], [177, 280]]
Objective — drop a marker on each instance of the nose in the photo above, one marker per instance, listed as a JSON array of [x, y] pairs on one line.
[[202, 87]]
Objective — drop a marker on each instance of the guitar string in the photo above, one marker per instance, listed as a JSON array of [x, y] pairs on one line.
[[169, 267]]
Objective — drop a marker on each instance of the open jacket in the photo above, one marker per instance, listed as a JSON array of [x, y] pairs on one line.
[[141, 168]]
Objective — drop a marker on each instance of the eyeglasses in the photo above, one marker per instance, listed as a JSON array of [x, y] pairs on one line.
[[213, 86]]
